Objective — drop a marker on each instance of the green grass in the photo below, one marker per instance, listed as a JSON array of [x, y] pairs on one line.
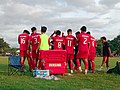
[[79, 81]]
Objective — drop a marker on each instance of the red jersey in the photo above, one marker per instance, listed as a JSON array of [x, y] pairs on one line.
[[70, 41], [23, 41], [93, 45], [34, 40], [83, 40], [58, 42]]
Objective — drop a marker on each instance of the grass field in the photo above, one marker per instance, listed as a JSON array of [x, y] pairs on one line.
[[79, 81]]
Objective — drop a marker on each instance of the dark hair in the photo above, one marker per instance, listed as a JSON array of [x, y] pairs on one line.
[[58, 32], [43, 28], [69, 30], [26, 31], [83, 28], [33, 29], [77, 33], [88, 32], [104, 38]]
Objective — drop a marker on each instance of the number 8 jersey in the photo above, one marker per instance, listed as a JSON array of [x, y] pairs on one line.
[[58, 42]]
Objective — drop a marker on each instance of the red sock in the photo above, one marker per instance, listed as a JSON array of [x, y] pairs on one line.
[[86, 64], [30, 64], [71, 64], [34, 64], [93, 66], [78, 63], [22, 62]]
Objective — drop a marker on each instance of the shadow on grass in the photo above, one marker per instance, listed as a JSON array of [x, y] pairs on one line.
[[4, 71]]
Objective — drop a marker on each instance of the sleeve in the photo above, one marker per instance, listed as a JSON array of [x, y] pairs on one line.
[[52, 38]]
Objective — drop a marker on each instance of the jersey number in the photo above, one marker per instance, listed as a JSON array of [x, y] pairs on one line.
[[35, 40], [69, 43], [22, 40], [59, 44], [85, 41]]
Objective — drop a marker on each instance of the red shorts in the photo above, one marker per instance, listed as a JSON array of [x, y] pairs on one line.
[[83, 54], [70, 56], [41, 54], [23, 53], [92, 56], [34, 54]]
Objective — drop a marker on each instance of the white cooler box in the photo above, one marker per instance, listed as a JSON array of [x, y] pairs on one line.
[[41, 73]]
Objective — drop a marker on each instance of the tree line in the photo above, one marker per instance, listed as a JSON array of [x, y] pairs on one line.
[[114, 45]]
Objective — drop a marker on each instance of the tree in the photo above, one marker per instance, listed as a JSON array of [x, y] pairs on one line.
[[99, 48], [3, 45], [115, 45]]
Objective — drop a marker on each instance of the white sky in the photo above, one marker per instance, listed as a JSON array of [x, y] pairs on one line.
[[102, 17]]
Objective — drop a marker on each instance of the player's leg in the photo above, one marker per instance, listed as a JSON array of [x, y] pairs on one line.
[[23, 55], [29, 58], [34, 59], [34, 63], [41, 60], [107, 64], [92, 58], [29, 63], [89, 62], [37, 58], [93, 66], [78, 61], [89, 65], [86, 65], [22, 60], [71, 66], [71, 62], [103, 62], [41, 64], [74, 61]]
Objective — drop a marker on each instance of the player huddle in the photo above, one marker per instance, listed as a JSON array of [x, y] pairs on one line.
[[82, 47]]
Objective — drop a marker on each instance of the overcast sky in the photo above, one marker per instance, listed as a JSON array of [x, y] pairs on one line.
[[102, 17]]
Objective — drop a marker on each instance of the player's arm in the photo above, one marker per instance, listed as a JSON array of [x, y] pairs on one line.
[[109, 51], [28, 46], [49, 41], [75, 41], [95, 43], [39, 42], [63, 34], [52, 34], [19, 39]]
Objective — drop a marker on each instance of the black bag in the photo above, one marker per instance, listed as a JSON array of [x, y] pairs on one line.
[[116, 69]]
